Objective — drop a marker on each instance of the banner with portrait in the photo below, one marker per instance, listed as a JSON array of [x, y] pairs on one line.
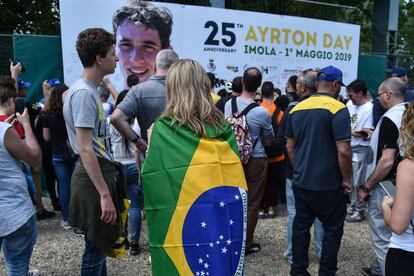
[[227, 41]]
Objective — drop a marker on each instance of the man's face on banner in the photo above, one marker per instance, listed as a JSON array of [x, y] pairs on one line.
[[137, 47]]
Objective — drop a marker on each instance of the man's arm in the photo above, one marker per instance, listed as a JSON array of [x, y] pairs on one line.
[[121, 123], [382, 169], [290, 149], [15, 71], [388, 145], [111, 88], [84, 137], [345, 164]]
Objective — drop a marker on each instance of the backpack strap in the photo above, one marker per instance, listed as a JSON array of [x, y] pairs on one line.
[[248, 108], [233, 105], [275, 114], [245, 111]]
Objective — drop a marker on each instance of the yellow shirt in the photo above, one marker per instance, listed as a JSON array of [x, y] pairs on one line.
[[215, 97]]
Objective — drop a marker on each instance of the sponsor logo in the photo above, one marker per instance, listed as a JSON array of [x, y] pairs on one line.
[[232, 68], [211, 65]]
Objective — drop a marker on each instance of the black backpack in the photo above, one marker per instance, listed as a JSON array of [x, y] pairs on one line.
[[273, 150], [275, 125]]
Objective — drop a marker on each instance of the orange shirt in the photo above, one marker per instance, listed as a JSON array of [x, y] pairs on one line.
[[271, 107]]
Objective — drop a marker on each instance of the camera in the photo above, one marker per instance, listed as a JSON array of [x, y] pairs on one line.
[[23, 68]]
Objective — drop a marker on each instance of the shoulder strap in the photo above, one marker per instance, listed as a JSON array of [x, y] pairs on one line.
[[248, 108], [233, 105], [275, 114]]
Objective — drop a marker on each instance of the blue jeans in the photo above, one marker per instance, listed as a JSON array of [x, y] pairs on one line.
[[317, 226], [64, 168], [135, 195], [18, 247], [93, 260]]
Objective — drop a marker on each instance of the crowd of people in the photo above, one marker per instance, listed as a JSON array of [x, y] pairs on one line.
[[328, 159]]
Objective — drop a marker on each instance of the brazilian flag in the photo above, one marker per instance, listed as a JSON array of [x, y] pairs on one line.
[[195, 201]]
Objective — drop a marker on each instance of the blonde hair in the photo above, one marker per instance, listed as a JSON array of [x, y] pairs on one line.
[[189, 101], [406, 139]]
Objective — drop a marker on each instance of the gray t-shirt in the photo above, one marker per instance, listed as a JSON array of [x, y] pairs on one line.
[[258, 121], [146, 102], [83, 109]]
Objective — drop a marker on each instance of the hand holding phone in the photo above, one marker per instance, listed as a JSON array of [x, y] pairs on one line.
[[19, 104]]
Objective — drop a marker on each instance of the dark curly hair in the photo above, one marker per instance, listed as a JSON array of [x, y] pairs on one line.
[[141, 12], [55, 101], [92, 42], [7, 88]]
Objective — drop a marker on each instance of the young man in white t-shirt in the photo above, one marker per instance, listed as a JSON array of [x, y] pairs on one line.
[[360, 110]]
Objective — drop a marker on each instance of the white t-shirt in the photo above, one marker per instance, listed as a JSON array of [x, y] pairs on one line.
[[361, 117], [405, 241]]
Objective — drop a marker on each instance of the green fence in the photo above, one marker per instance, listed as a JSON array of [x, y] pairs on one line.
[[42, 57], [6, 53], [372, 69]]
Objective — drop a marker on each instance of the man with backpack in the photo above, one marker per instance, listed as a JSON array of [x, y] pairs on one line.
[[253, 129], [276, 168]]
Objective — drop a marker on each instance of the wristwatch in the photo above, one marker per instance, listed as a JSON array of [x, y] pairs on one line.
[[364, 189]]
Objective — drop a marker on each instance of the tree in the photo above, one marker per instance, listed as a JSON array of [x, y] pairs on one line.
[[29, 17], [405, 37]]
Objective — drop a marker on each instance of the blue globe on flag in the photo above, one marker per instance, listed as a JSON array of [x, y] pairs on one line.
[[213, 235]]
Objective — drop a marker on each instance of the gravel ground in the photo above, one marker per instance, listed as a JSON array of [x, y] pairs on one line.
[[59, 252]]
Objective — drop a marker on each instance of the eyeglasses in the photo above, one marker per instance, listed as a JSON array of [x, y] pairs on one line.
[[258, 100], [379, 94]]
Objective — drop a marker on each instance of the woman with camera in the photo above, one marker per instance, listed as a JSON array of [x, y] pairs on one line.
[[17, 215]]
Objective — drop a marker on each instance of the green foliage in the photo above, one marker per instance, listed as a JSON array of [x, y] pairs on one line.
[[405, 38], [29, 17]]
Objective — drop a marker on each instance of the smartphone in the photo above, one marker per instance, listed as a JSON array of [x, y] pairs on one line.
[[388, 189], [19, 105]]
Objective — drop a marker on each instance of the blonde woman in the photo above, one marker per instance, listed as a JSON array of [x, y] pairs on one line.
[[399, 212], [194, 186]]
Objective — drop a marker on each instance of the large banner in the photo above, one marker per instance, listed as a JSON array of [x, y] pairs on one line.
[[226, 41]]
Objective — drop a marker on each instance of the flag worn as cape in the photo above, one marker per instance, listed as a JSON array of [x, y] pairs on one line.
[[195, 201]]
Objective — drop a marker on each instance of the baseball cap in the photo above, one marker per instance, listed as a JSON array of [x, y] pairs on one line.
[[53, 82], [331, 74], [399, 72], [23, 84]]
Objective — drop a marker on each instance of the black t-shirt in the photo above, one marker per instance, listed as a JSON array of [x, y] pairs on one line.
[[388, 139], [57, 129], [222, 102]]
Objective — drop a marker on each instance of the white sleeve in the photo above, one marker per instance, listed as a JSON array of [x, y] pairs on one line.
[[136, 127]]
